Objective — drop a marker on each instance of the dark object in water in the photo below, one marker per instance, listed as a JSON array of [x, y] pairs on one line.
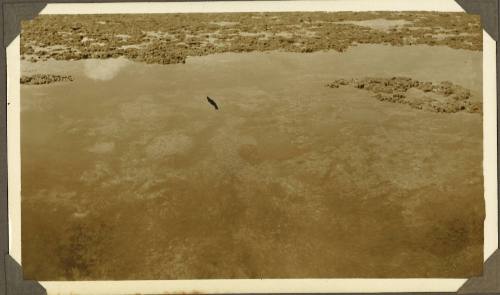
[[212, 102]]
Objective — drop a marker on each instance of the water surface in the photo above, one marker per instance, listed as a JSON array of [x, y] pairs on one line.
[[128, 172]]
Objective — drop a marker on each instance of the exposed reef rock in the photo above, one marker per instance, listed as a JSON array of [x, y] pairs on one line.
[[444, 97], [170, 38], [39, 79]]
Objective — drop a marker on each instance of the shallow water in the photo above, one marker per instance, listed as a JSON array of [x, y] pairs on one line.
[[289, 178], [380, 23]]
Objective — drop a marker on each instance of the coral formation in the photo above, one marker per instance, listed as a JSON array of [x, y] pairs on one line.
[[39, 79], [444, 97], [167, 39]]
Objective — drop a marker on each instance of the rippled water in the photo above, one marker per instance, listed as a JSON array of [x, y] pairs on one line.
[[289, 178]]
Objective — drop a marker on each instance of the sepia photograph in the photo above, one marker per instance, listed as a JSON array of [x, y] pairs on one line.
[[252, 145]]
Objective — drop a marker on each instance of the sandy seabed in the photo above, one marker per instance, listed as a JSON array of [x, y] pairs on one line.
[[293, 177]]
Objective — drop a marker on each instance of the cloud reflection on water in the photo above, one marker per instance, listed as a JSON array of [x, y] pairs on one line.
[[104, 69]]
